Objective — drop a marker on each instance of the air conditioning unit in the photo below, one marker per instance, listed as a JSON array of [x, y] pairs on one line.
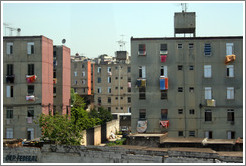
[[211, 103]]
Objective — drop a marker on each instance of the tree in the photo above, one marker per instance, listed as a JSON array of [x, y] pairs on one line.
[[103, 114], [77, 100]]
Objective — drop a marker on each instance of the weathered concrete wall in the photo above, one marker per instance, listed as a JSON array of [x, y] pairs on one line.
[[113, 126], [99, 154], [97, 135]]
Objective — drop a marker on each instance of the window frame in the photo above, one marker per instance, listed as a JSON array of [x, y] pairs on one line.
[[207, 71], [9, 50], [9, 113], [208, 115], [230, 71], [142, 114], [230, 93], [30, 48]]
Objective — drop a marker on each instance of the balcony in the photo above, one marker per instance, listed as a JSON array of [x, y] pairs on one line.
[[30, 98], [211, 103], [141, 82], [163, 83], [10, 79], [31, 78]]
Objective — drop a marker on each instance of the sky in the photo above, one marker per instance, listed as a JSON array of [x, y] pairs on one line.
[[93, 28]]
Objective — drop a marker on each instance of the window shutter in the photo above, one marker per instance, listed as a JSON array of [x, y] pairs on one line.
[[229, 48], [8, 91], [165, 71], [143, 72], [208, 93]]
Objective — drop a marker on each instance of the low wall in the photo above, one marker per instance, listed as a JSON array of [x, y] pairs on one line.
[[113, 126], [99, 154]]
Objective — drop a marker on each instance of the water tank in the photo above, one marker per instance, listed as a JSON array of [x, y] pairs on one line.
[[185, 22]]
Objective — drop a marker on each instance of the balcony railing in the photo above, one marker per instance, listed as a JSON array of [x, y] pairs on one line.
[[31, 78], [10, 78]]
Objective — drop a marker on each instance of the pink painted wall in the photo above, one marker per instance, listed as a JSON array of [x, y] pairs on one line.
[[66, 82], [47, 74]]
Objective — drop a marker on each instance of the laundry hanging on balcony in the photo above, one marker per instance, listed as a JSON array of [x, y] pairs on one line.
[[163, 83], [141, 83], [142, 126], [164, 123], [230, 58], [163, 58], [129, 84], [54, 80], [30, 98], [31, 78]]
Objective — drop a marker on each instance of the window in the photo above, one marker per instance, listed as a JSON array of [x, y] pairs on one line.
[[121, 98], [208, 93], [75, 73], [231, 134], [207, 71], [191, 89], [180, 67], [230, 115], [121, 78], [116, 98], [30, 133], [75, 82], [142, 114], [9, 91], [30, 69], [180, 89], [10, 69], [180, 45], [30, 89], [99, 70], [9, 48], [116, 87], [54, 74], [116, 108], [141, 49], [121, 87], [163, 71], [164, 113], [129, 89], [109, 99], [142, 93], [129, 99], [54, 54], [109, 79], [181, 133], [191, 133], [192, 111], [9, 113], [121, 108], [99, 100], [209, 134], [129, 110], [116, 78], [163, 94], [75, 65], [109, 89], [83, 82], [129, 79], [191, 45], [142, 72], [163, 47], [30, 112], [9, 133], [109, 109], [229, 48], [30, 48], [230, 71], [180, 111], [191, 67], [83, 74], [83, 66], [230, 92], [208, 115], [109, 69], [207, 49], [54, 90], [99, 80], [99, 90], [75, 90], [128, 69]]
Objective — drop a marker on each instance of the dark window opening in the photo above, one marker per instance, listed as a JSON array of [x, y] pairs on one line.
[[30, 89], [208, 115], [30, 69], [142, 94], [142, 114], [164, 94]]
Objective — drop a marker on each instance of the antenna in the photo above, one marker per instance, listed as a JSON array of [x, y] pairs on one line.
[[11, 29], [184, 7], [63, 41], [122, 43]]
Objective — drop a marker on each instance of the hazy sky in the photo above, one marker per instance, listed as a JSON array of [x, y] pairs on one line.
[[94, 28]]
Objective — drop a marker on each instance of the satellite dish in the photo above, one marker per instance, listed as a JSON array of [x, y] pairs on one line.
[[63, 41]]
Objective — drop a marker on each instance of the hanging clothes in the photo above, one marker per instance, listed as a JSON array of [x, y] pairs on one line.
[[162, 83], [165, 123], [30, 98], [166, 83], [129, 84], [230, 58], [143, 83], [142, 126], [31, 78], [163, 58]]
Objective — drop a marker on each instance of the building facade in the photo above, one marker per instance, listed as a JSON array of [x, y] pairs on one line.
[[183, 86], [27, 84], [113, 83], [82, 74], [61, 79]]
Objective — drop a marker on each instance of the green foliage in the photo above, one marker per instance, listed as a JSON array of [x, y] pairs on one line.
[[102, 114], [117, 142], [77, 100]]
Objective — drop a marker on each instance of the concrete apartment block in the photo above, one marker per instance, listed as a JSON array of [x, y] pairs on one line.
[[27, 84], [61, 79], [204, 97]]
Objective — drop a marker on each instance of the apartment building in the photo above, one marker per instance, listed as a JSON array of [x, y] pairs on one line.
[[61, 79], [27, 84], [82, 75], [113, 83], [188, 86]]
